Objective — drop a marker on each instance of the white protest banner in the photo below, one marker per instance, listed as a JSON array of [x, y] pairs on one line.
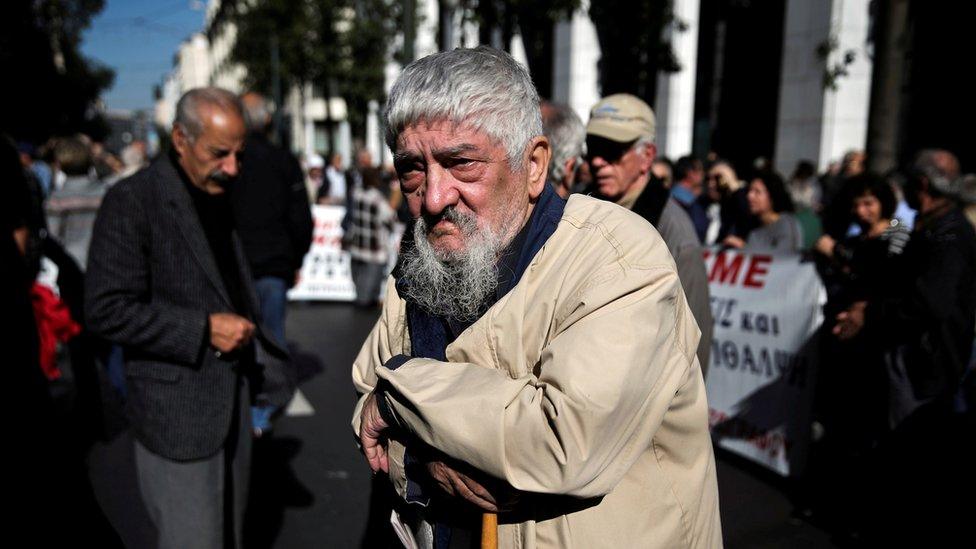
[[326, 272], [767, 309]]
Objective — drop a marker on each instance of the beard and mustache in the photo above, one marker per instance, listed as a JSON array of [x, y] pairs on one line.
[[452, 284]]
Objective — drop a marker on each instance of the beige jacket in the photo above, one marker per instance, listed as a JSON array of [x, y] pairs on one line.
[[582, 381]]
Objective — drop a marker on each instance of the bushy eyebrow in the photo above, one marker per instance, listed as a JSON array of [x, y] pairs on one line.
[[448, 152], [404, 157], [451, 152]]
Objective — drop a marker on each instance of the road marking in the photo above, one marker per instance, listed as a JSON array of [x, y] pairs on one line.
[[299, 406]]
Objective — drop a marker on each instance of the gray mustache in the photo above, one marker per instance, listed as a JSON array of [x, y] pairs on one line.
[[220, 178], [466, 222]]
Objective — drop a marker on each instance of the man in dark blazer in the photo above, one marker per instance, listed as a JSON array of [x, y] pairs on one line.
[[167, 281]]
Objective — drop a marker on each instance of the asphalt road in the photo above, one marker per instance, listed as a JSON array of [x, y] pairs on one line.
[[311, 488]]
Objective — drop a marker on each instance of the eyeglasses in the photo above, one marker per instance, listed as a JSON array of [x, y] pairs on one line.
[[610, 151]]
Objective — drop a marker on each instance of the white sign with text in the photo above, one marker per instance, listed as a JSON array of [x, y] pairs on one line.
[[767, 311], [326, 272]]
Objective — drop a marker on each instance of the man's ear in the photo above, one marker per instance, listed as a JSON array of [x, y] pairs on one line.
[[180, 141], [537, 165], [647, 159]]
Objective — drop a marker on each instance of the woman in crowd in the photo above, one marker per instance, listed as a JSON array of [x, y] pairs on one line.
[[854, 386], [882, 238], [771, 208]]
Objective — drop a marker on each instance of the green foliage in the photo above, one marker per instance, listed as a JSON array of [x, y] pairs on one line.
[[534, 20], [301, 50], [833, 72], [360, 71], [634, 44], [340, 46], [50, 88]]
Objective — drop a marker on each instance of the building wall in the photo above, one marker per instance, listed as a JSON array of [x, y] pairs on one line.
[[193, 68]]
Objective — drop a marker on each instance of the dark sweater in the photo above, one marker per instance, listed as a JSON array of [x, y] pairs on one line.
[[271, 209], [217, 220], [933, 314]]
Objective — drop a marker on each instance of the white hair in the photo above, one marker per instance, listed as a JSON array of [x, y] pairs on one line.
[[641, 145], [132, 157], [483, 88], [257, 113], [567, 137]]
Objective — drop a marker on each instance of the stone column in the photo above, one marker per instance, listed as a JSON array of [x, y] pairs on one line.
[[373, 142], [675, 104], [576, 51], [815, 122]]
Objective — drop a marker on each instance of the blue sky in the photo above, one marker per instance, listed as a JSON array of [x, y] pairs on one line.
[[138, 38]]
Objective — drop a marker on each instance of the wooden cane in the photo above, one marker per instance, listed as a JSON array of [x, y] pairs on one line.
[[489, 531]]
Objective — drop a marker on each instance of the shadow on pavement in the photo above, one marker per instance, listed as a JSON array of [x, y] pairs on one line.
[[307, 365], [274, 487]]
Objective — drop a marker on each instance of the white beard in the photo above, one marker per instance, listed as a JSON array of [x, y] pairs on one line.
[[452, 284]]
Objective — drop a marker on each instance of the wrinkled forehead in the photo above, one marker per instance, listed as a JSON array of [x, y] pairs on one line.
[[444, 133]]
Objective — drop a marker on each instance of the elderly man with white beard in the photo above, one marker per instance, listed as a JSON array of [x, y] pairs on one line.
[[535, 358]]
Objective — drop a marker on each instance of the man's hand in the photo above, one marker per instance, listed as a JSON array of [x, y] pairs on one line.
[[851, 321], [371, 427], [460, 485], [229, 332]]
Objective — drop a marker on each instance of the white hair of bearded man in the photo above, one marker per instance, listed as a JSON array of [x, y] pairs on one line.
[[483, 88]]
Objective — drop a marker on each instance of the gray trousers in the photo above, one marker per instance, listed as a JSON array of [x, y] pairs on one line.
[[200, 503]]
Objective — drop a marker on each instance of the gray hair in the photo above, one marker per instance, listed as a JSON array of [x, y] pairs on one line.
[[257, 112], [567, 137], [641, 145], [132, 156], [940, 167], [483, 88], [188, 108], [965, 189]]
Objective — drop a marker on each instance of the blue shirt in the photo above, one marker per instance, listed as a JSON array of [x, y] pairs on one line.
[[694, 209]]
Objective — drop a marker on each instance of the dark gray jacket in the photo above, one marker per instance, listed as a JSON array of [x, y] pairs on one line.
[[151, 284]]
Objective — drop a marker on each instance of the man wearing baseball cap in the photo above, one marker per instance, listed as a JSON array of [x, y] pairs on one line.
[[620, 150]]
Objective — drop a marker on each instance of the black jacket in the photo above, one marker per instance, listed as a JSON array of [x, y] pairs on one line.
[[151, 284], [271, 209], [932, 318]]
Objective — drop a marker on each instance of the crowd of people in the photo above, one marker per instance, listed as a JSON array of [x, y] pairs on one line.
[[897, 255], [173, 277]]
